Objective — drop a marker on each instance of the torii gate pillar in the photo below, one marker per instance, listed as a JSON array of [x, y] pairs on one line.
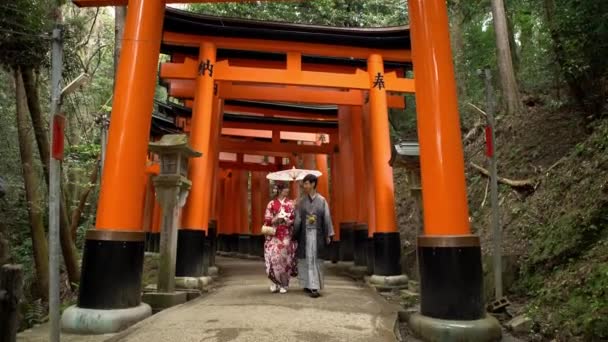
[[222, 232], [386, 238], [192, 258], [361, 228], [449, 256], [230, 220], [259, 196], [240, 209], [347, 200], [113, 256]]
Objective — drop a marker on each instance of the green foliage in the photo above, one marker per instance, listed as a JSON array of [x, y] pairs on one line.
[[13, 207], [479, 53], [568, 237], [581, 33], [24, 27], [347, 13], [33, 312], [536, 72], [403, 121], [573, 301], [558, 45], [89, 46], [84, 153]]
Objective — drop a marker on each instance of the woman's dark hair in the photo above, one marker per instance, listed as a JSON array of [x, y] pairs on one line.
[[310, 178], [281, 185]]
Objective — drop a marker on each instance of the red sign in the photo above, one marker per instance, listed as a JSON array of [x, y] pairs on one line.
[[489, 142], [58, 136]]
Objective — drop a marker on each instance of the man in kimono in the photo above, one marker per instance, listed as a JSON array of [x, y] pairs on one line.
[[313, 230]]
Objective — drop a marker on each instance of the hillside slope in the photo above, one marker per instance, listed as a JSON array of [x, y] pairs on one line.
[[559, 231]]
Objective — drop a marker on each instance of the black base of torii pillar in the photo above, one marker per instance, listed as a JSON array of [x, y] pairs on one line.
[[190, 259], [193, 268], [386, 251], [109, 296], [212, 239], [451, 299], [347, 242]]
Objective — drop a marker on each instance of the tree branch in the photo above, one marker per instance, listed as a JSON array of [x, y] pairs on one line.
[[478, 109], [86, 41], [485, 196], [93, 55], [473, 132], [528, 184]]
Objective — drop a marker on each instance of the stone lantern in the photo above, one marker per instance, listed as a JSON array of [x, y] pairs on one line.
[[172, 187], [406, 155]]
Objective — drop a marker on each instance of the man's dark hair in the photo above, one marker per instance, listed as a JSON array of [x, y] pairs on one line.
[[312, 179]]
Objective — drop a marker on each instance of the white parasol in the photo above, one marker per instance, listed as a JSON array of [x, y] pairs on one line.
[[292, 174]]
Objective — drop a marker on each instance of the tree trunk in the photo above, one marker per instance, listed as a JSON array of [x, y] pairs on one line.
[[4, 247], [77, 213], [119, 28], [40, 126], [32, 188], [512, 43], [510, 92], [68, 247], [33, 103], [457, 21]]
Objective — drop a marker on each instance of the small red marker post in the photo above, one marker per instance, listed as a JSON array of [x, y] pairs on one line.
[[489, 142], [490, 153], [58, 144]]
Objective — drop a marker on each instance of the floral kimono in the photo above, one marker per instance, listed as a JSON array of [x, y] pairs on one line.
[[279, 250]]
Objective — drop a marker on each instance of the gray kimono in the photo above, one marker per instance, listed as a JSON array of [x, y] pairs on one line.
[[312, 227]]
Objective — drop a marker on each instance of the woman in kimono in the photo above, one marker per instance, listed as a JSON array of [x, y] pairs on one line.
[[279, 249]]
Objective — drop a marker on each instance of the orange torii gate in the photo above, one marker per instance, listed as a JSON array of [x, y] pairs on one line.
[[449, 255], [275, 129], [270, 149], [292, 94], [297, 72], [268, 128], [347, 245], [175, 71], [231, 161]]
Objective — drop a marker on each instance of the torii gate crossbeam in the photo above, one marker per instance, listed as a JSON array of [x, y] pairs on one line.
[[293, 75], [185, 88]]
